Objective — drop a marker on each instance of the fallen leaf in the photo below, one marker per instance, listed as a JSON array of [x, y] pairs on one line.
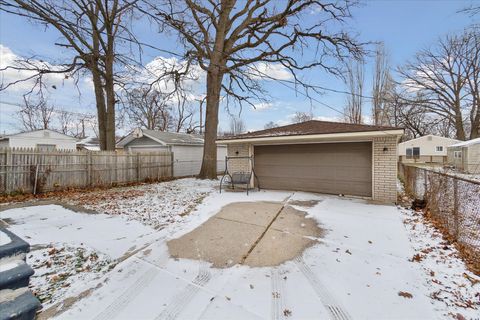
[[287, 313], [472, 280], [405, 294]]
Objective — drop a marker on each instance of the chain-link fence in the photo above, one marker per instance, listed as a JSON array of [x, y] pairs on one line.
[[453, 204]]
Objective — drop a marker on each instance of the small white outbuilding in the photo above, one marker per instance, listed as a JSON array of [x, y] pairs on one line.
[[44, 140], [187, 149]]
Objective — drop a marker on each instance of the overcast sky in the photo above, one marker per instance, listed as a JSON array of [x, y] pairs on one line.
[[404, 26]]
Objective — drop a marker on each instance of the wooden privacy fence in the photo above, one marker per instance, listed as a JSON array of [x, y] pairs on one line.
[[35, 171]]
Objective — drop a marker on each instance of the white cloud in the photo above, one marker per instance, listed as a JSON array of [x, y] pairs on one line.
[[270, 71], [160, 74], [327, 118], [262, 106], [9, 75]]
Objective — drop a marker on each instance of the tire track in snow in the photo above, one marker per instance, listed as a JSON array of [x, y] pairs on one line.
[[336, 311], [183, 298], [127, 296], [278, 289]]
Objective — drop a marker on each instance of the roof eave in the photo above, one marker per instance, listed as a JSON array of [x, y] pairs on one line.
[[396, 132]]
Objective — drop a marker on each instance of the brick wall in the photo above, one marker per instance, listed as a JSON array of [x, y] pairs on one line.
[[238, 165], [385, 169]]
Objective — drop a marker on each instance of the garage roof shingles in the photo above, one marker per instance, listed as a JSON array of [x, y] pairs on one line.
[[309, 128]]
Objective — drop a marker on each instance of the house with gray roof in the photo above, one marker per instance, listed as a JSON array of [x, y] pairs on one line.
[[187, 148]]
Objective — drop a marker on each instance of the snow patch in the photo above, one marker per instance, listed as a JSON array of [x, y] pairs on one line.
[[4, 238]]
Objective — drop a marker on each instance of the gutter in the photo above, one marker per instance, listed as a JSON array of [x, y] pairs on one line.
[[363, 134]]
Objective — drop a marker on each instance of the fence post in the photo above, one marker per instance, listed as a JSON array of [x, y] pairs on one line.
[[8, 169], [172, 163], [138, 165], [455, 209], [89, 168], [425, 184]]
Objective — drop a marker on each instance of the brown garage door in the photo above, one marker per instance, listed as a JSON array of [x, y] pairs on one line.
[[336, 168]]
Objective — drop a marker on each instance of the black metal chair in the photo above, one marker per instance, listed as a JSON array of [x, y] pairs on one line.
[[239, 177]]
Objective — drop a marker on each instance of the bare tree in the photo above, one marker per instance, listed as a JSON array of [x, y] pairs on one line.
[[472, 66], [447, 78], [410, 114], [151, 109], [270, 125], [355, 83], [35, 115], [232, 40], [91, 31], [183, 113], [148, 109], [237, 125], [302, 117], [65, 121], [382, 86]]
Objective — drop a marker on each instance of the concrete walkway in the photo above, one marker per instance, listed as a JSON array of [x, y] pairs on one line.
[[257, 234]]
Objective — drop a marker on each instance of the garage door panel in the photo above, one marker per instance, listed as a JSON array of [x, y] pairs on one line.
[[314, 185], [296, 171], [338, 168]]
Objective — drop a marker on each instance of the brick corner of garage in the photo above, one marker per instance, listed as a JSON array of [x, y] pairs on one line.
[[385, 169]]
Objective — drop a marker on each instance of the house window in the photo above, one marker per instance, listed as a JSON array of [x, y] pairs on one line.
[[46, 147], [439, 148], [457, 154], [413, 153]]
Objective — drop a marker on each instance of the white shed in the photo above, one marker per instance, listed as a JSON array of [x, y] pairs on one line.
[[44, 139], [187, 149]]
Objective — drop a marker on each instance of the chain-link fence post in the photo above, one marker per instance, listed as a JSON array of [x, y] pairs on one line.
[[455, 209]]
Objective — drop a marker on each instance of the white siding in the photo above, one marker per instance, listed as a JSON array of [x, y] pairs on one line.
[[427, 145], [43, 137], [188, 159]]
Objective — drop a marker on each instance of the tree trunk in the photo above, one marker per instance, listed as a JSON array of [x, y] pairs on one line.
[[460, 130], [209, 163], [101, 108], [110, 112]]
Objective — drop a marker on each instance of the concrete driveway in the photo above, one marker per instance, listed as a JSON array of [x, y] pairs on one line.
[[354, 264], [256, 234]]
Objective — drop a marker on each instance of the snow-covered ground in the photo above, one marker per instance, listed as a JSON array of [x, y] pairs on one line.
[[70, 250], [452, 288], [369, 264], [156, 205]]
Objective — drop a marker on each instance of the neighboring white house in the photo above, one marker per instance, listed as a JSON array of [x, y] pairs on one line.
[[44, 139], [187, 149], [465, 155], [426, 149]]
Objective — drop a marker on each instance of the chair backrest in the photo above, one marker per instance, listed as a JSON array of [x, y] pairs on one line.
[[241, 177]]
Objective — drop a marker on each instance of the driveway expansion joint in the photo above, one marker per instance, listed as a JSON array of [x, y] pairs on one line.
[[245, 257]]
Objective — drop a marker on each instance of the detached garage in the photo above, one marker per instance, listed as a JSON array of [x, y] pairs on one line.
[[324, 157]]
